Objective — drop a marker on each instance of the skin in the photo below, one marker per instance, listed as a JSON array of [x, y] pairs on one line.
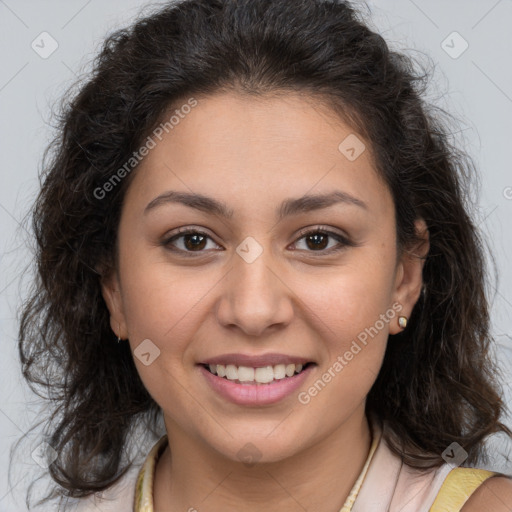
[[253, 153], [494, 495]]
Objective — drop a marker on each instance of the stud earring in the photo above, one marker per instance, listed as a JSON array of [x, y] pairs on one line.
[[402, 321]]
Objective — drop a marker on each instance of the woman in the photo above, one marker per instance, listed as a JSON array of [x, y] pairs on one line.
[[260, 237]]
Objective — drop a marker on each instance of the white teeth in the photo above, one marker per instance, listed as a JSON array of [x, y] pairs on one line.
[[231, 372], [290, 370], [245, 374], [262, 375], [279, 371]]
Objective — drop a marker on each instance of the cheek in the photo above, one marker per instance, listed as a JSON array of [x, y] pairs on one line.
[[163, 306], [353, 312], [350, 301], [160, 302]]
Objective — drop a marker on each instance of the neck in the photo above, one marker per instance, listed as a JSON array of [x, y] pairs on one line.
[[196, 478]]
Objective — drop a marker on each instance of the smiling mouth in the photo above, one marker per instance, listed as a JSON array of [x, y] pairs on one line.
[[256, 376]]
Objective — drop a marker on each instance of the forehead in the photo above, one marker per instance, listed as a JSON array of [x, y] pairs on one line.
[[247, 149]]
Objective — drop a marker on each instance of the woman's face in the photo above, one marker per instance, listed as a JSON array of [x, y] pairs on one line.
[[252, 288]]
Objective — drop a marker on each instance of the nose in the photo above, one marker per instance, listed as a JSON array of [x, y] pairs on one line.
[[255, 297]]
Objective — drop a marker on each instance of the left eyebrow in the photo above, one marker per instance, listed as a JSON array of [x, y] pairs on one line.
[[291, 206]]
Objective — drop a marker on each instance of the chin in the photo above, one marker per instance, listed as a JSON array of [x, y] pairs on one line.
[[252, 447]]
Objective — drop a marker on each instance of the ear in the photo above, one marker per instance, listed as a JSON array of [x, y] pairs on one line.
[[111, 292], [409, 274]]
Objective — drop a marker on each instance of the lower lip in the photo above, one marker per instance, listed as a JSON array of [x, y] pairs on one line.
[[256, 394]]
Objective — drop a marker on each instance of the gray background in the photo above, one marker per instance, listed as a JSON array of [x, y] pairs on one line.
[[475, 86]]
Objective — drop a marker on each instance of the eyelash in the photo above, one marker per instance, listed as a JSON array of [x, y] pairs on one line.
[[343, 241]]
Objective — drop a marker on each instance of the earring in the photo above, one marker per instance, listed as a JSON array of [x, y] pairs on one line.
[[118, 329], [402, 321]]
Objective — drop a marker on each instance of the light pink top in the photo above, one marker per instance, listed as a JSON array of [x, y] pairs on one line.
[[384, 485]]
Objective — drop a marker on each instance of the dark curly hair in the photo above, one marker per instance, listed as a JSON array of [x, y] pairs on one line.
[[437, 383]]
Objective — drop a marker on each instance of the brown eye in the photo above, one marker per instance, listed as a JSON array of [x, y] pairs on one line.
[[317, 240], [192, 242], [187, 241]]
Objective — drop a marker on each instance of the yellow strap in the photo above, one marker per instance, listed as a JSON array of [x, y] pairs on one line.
[[458, 487]]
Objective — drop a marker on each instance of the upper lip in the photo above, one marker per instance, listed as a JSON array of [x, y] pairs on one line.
[[256, 361]]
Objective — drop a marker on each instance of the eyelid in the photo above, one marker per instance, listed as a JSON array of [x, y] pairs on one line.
[[343, 239], [189, 230], [319, 228]]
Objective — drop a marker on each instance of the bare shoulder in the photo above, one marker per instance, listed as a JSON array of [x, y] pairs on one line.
[[494, 495]]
